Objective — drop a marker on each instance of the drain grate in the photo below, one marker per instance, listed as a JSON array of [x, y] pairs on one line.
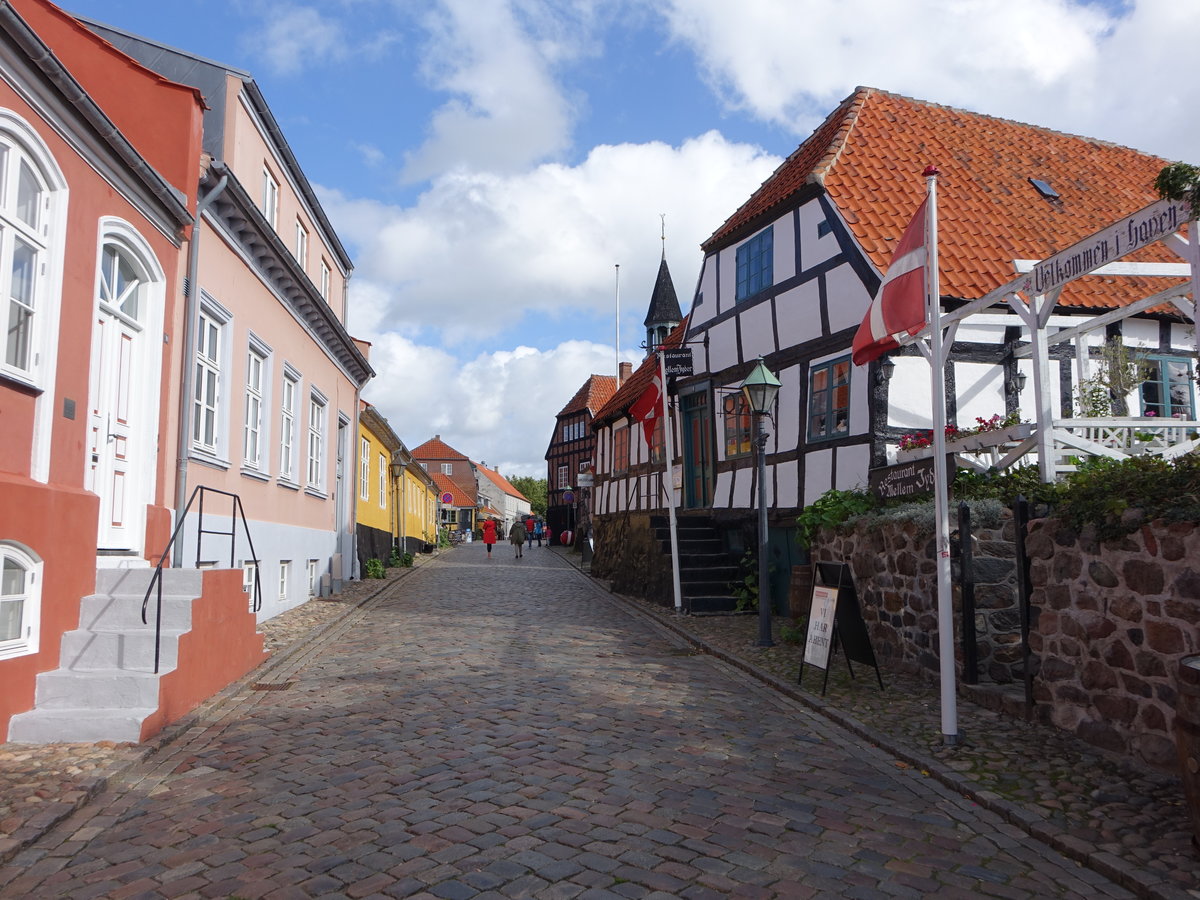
[[272, 686]]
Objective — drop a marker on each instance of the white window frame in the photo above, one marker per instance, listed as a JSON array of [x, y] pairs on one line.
[[318, 411], [285, 577], [270, 198], [30, 598], [447, 468], [383, 474], [326, 277], [311, 571], [208, 392], [364, 469], [249, 570], [288, 392], [564, 478], [257, 363], [301, 244]]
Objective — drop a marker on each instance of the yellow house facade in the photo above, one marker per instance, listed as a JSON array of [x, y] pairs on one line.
[[418, 499], [374, 488]]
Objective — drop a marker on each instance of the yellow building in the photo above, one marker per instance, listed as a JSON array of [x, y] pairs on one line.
[[375, 488], [417, 500]]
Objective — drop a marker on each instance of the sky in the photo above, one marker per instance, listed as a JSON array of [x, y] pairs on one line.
[[502, 172]]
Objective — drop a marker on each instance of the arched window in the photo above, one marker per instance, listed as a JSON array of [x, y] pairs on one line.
[[24, 226], [122, 283], [20, 601]]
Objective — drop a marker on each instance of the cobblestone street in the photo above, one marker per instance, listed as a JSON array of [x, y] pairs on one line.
[[502, 728]]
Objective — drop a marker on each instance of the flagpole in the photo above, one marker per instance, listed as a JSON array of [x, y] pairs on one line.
[[669, 480], [941, 499], [617, 323]]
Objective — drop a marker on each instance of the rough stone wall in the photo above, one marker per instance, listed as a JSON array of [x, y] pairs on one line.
[[895, 575], [1116, 617], [629, 556]]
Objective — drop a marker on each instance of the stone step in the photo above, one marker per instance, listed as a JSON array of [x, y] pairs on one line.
[[710, 604], [107, 612], [97, 689], [136, 582], [130, 649], [50, 726]]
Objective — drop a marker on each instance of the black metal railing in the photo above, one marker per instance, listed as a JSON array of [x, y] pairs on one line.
[[236, 515]]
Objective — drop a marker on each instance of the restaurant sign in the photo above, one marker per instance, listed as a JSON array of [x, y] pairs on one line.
[[906, 479]]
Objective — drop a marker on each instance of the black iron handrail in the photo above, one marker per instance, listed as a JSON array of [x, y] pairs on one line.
[[156, 579]]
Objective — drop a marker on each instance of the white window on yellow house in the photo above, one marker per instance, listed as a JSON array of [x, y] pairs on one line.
[[383, 474], [364, 470]]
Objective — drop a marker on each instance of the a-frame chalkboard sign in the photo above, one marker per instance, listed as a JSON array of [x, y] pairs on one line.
[[835, 618]]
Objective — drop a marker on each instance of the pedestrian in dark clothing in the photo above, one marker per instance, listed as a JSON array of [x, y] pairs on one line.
[[516, 537]]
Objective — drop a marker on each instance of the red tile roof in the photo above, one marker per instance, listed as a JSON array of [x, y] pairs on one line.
[[596, 391], [869, 154], [501, 482], [446, 484], [641, 377], [436, 448]]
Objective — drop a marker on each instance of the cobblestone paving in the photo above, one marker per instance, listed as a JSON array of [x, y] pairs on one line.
[[504, 729]]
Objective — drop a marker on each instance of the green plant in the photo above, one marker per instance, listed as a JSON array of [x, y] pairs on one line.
[[1119, 370], [745, 587], [832, 508], [1004, 485], [794, 634], [1103, 490], [406, 560], [375, 568], [394, 558], [1180, 181], [443, 539]]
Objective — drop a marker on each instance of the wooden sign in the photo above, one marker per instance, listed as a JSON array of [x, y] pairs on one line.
[[905, 479], [836, 621], [678, 363]]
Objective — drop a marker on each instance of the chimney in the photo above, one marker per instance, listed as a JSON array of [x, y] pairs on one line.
[[624, 371]]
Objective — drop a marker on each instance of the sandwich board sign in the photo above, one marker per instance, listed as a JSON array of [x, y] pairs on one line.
[[835, 619]]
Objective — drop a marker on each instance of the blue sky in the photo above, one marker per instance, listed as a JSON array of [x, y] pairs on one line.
[[488, 162]]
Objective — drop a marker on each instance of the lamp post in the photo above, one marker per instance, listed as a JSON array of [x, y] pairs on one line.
[[759, 389]]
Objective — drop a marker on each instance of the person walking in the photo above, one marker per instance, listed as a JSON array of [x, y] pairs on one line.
[[549, 535], [516, 537], [529, 532], [489, 535], [538, 531]]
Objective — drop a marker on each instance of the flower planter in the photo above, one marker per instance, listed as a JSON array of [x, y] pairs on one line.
[[973, 443]]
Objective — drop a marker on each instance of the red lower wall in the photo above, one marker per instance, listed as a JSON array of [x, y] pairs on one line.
[[223, 645], [58, 525]]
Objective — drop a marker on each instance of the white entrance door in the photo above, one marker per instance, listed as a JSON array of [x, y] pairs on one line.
[[119, 471]]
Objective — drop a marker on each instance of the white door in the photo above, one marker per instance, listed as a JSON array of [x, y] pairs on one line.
[[118, 470]]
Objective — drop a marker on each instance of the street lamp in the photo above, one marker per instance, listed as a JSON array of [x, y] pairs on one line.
[[759, 389]]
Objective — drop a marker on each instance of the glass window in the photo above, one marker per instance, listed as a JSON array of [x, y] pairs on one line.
[[364, 470], [383, 474], [316, 441], [287, 429], [254, 406], [19, 602], [120, 283], [829, 400], [325, 275], [1168, 389], [285, 575], [447, 468], [24, 200], [301, 244], [564, 477], [206, 400], [270, 198], [620, 450], [312, 578], [755, 264], [658, 445], [738, 425]]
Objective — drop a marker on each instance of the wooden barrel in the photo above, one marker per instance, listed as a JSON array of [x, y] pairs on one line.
[[1187, 737]]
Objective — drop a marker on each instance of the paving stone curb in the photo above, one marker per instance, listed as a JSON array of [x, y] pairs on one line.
[[1141, 882], [210, 712]]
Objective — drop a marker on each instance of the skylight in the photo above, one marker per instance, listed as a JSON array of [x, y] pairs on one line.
[[1043, 188]]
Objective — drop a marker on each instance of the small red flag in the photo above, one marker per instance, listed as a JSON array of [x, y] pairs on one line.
[[899, 305], [648, 407]]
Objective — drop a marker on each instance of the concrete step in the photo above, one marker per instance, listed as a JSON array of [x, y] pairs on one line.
[[135, 582], [130, 649], [96, 689], [710, 604], [50, 726], [120, 612]]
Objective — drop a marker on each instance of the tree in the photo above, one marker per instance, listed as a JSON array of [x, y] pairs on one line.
[[534, 490]]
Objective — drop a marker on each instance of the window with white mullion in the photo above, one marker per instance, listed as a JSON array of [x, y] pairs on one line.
[[270, 198], [364, 470], [120, 284], [316, 442], [287, 429], [20, 602], [383, 473], [206, 400], [24, 198], [251, 444]]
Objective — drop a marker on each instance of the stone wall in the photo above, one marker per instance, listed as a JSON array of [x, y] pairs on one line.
[[628, 555], [1110, 620], [896, 579], [1116, 619]]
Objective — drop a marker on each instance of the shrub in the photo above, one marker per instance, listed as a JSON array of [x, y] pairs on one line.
[[375, 568], [832, 508]]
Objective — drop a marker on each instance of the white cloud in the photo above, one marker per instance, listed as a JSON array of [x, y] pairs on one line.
[[497, 408], [478, 251], [1101, 70], [496, 61], [294, 37]]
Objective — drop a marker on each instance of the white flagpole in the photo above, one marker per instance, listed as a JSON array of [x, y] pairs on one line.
[[669, 479], [617, 325], [941, 499]]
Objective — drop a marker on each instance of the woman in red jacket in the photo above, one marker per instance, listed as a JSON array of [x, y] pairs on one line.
[[489, 535]]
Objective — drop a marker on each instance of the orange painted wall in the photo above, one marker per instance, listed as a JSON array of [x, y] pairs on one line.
[[59, 524], [170, 139], [222, 646], [16, 442]]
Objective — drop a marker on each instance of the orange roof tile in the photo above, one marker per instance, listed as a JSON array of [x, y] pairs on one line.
[[641, 377], [436, 448], [869, 154], [446, 484], [595, 392]]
